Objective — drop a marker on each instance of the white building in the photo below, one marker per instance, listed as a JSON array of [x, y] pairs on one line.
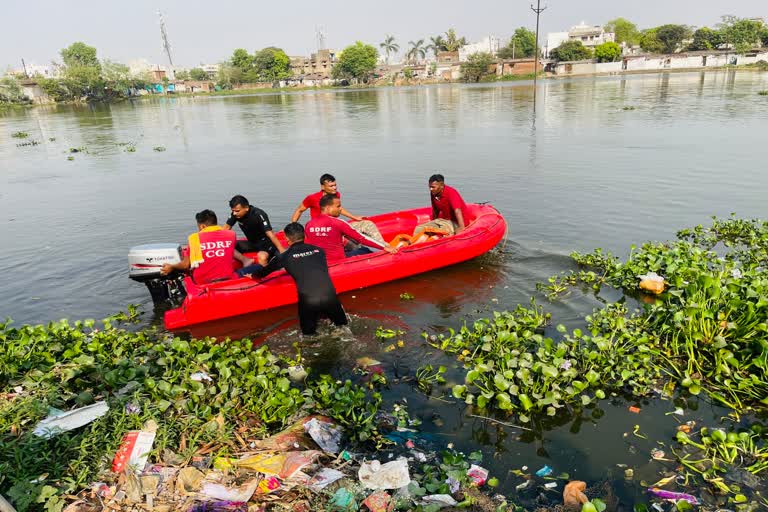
[[589, 35], [490, 44], [211, 69]]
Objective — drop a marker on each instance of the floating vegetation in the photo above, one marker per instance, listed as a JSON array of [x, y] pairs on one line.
[[130, 148], [146, 375], [159, 148], [27, 143], [20, 135], [81, 149], [51, 139], [629, 107], [763, 93], [406, 296], [70, 158]]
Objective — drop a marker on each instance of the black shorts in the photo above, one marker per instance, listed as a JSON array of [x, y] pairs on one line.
[[310, 314], [244, 246]]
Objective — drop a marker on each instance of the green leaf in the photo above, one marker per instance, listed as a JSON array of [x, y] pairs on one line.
[[459, 391], [683, 506], [599, 504], [503, 401]]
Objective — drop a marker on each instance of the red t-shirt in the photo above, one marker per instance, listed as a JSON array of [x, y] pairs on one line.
[[312, 201], [218, 248], [443, 207], [328, 233]]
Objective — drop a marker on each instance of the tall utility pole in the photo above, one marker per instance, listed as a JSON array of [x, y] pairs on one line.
[[166, 46], [24, 65], [538, 10]]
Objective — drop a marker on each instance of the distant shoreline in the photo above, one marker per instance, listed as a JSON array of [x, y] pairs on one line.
[[410, 83]]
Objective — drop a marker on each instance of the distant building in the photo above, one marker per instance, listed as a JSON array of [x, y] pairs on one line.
[[490, 44], [589, 35], [210, 69], [318, 64]]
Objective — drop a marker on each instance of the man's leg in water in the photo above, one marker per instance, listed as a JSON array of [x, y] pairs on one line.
[[336, 314], [308, 317]]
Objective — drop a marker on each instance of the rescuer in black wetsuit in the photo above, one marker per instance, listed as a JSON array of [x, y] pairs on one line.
[[307, 265]]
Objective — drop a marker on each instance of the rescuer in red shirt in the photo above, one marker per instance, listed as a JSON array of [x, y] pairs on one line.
[[312, 201], [212, 252], [449, 211], [328, 232]]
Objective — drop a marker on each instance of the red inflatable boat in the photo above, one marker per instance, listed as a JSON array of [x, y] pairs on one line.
[[239, 296]]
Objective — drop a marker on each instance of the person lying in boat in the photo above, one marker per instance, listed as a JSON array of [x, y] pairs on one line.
[[327, 231], [308, 267], [255, 225], [211, 252], [328, 186], [449, 211]]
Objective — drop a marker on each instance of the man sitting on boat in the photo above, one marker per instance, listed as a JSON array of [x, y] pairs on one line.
[[255, 225], [308, 267], [449, 212], [211, 252], [328, 186], [327, 231]]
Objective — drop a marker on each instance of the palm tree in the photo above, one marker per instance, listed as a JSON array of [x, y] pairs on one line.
[[452, 43], [417, 51], [436, 45], [389, 46]]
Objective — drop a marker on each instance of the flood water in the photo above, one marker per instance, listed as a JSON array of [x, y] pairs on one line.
[[608, 162]]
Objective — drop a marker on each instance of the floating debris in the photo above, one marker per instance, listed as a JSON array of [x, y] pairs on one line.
[[159, 148], [20, 135]]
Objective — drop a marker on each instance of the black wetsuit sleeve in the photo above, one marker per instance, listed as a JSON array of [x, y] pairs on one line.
[[276, 264], [231, 221]]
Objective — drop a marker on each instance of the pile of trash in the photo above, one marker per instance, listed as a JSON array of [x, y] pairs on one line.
[[302, 468]]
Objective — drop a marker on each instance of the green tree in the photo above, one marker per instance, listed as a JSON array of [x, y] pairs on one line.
[[228, 75], [389, 46], [706, 38], [182, 75], [79, 54], [476, 66], [741, 34], [570, 50], [417, 51], [242, 60], [272, 64], [764, 36], [435, 45], [625, 30], [522, 44], [451, 42], [357, 61], [197, 74], [671, 37], [11, 92], [608, 52], [649, 42]]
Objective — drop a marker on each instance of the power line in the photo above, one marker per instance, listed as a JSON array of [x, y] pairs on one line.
[[538, 10], [166, 45]]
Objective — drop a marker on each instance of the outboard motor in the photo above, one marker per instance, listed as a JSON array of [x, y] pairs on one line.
[[144, 265]]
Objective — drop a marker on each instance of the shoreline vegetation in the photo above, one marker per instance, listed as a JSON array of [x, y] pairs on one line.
[[400, 83], [700, 329]]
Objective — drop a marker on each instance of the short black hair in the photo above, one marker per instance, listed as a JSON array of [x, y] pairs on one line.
[[206, 217], [238, 200], [327, 200], [326, 177], [437, 177], [294, 232]]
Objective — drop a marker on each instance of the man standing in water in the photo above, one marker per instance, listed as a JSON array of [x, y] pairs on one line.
[[307, 265], [255, 225], [449, 212]]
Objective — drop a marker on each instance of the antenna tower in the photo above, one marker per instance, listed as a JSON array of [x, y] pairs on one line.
[[166, 45], [320, 35]]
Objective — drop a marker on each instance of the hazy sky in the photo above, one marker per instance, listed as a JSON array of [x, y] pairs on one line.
[[208, 31]]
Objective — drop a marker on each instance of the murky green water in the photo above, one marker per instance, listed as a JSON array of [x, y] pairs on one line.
[[591, 172]]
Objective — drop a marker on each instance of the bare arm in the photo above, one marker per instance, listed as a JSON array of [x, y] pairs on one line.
[[170, 267], [459, 220], [349, 215], [275, 241], [297, 214], [350, 233], [242, 259]]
